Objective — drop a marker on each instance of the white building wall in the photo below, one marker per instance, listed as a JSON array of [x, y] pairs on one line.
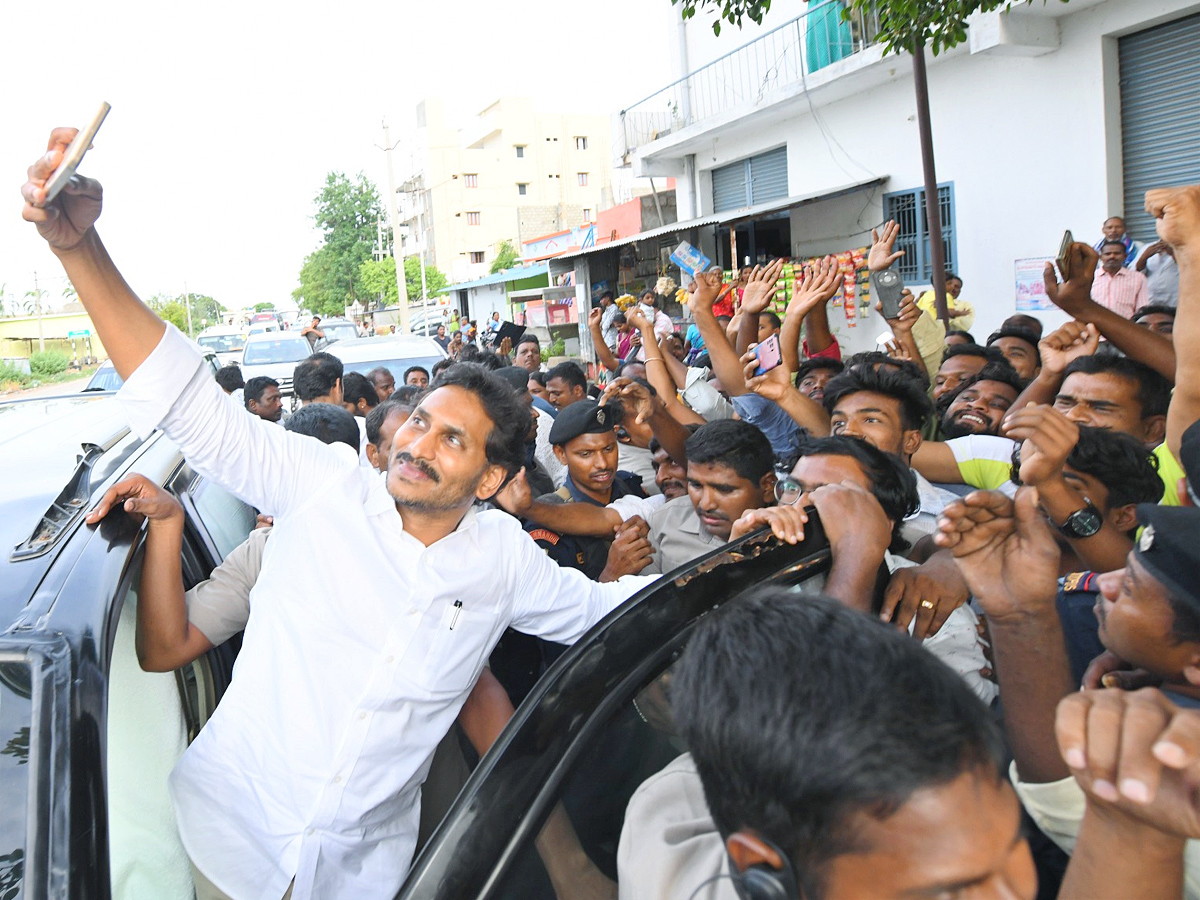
[[1031, 144]]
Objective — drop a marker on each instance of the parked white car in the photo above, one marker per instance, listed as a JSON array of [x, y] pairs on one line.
[[227, 341], [274, 354]]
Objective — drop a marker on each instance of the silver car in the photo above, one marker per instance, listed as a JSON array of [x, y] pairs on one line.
[[393, 352], [275, 354]]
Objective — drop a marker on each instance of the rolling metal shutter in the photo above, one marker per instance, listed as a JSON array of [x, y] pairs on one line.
[[1160, 114], [750, 181]]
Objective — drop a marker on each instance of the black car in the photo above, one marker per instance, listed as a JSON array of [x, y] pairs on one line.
[[87, 738]]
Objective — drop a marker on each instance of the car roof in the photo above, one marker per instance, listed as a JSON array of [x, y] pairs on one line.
[[262, 336], [43, 439], [385, 347]]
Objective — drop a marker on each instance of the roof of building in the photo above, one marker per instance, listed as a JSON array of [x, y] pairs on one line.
[[516, 274]]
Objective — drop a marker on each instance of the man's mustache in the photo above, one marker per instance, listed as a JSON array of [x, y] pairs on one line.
[[418, 464]]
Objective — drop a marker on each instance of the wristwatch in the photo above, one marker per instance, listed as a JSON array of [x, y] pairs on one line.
[[1082, 523]]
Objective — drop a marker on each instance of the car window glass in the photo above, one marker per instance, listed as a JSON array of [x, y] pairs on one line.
[[15, 712], [396, 366], [105, 379], [289, 349], [222, 343], [226, 518], [576, 852]]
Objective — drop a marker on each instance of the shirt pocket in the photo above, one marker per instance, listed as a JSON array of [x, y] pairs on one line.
[[460, 644]]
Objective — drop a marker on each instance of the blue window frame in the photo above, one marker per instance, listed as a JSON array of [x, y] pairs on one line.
[[908, 209]]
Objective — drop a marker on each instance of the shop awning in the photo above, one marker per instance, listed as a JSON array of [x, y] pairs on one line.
[[734, 216]]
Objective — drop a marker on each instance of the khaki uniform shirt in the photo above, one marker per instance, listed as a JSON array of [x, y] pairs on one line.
[[220, 606], [677, 536]]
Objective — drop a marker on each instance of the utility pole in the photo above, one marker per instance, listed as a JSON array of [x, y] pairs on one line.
[[37, 299], [424, 286], [401, 290], [933, 213], [187, 302]]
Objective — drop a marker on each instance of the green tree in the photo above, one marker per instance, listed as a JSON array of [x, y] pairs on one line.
[[378, 276], [434, 279], [346, 215], [506, 256], [264, 307], [174, 312]]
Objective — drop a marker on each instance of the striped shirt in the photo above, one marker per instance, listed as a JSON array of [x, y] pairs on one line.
[[1124, 293]]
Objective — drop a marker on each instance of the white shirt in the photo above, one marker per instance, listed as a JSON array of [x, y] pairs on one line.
[[353, 664]]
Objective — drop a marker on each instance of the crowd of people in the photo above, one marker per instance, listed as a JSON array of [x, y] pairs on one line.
[[992, 692]]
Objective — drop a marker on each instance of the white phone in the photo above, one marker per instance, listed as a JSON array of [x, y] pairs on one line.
[[73, 156]]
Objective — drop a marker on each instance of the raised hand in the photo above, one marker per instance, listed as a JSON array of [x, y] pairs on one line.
[[65, 221], [817, 288], [761, 287], [635, 398], [915, 592], [853, 520], [1137, 754], [594, 317], [1110, 671], [1048, 438], [772, 385], [516, 497], [1064, 345], [708, 290], [1004, 549], [630, 551], [1072, 295], [140, 496], [883, 252], [908, 315], [637, 318], [1178, 213]]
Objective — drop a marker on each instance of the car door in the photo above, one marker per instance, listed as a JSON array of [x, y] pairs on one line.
[[542, 814]]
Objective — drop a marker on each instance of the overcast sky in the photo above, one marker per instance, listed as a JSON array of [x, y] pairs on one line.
[[226, 116]]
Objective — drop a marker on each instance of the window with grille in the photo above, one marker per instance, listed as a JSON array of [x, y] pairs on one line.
[[583, 179], [476, 256], [520, 148], [472, 218], [522, 189], [580, 143], [908, 209], [472, 181]]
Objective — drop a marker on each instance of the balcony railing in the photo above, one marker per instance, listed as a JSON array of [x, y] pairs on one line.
[[784, 55]]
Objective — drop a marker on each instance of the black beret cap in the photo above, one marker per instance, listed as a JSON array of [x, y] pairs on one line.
[[583, 417], [1169, 548]]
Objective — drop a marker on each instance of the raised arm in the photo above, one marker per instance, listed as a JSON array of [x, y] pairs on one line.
[[812, 294], [1058, 350], [649, 409], [760, 291], [1178, 214], [776, 385], [565, 518], [603, 353], [658, 372], [721, 354], [1074, 297], [165, 639], [1009, 558]]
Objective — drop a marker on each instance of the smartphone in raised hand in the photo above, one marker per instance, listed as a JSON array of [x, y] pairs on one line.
[[888, 288], [1064, 255], [73, 155], [769, 353]]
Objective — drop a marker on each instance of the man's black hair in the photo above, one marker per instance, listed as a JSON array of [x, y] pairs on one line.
[[570, 374], [1154, 391], [629, 362], [1117, 460], [440, 366], [963, 334], [316, 376], [875, 359], [803, 716], [1150, 309], [510, 419], [771, 317], [1021, 320], [608, 294], [327, 422], [735, 444], [950, 275], [377, 416], [356, 386], [1120, 244], [256, 387], [655, 445], [992, 355], [379, 371], [529, 338], [469, 353], [491, 361], [229, 377], [409, 393], [1023, 334], [412, 369], [893, 483], [991, 371], [915, 405], [819, 362]]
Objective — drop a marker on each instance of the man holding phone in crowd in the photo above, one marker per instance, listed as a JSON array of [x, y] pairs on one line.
[[305, 782]]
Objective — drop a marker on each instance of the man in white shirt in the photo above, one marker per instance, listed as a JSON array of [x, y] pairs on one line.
[[307, 777]]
